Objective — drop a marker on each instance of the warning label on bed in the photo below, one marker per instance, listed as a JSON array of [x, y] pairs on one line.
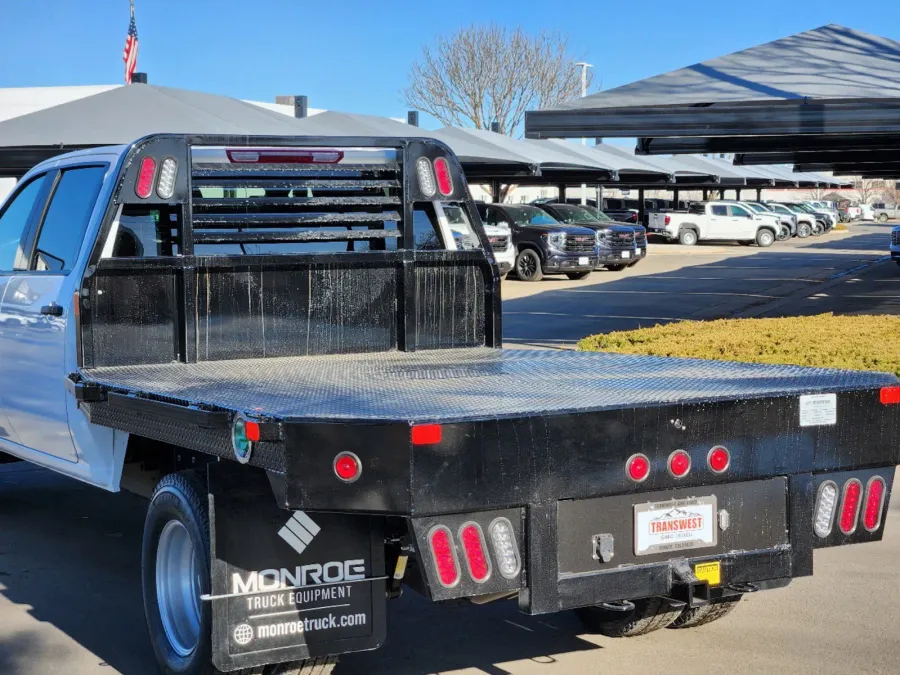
[[818, 410]]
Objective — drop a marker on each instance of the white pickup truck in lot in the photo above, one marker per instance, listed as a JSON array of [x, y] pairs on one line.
[[716, 221]]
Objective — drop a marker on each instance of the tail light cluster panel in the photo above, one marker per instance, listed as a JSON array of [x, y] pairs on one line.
[[849, 507], [434, 174], [466, 555]]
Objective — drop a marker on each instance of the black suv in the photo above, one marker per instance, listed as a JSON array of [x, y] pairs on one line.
[[543, 245], [617, 248]]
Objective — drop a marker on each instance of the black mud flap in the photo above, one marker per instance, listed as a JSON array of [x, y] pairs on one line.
[[289, 585]]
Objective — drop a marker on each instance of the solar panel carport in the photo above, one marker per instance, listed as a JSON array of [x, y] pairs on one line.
[[830, 89]]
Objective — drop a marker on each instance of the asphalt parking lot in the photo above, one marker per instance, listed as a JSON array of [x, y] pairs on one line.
[[70, 600]]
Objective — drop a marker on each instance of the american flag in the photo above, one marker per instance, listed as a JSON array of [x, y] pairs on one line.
[[129, 56]]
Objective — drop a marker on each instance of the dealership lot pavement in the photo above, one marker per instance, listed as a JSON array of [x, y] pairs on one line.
[[70, 600]]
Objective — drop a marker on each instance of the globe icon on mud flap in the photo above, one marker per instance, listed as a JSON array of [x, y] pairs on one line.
[[243, 634]]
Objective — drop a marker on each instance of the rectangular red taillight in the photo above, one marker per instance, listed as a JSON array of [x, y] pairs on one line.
[[426, 434], [890, 395], [283, 155], [668, 220]]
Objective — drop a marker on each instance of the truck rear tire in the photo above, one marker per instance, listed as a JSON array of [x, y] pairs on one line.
[[803, 230], [648, 615], [577, 276], [528, 266], [883, 218], [765, 238], [818, 229], [700, 616], [784, 233], [175, 570], [687, 237]]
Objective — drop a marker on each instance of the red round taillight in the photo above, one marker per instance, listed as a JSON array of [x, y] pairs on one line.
[[444, 178], [679, 464], [718, 459], [637, 468], [874, 503], [143, 188], [347, 467], [850, 503]]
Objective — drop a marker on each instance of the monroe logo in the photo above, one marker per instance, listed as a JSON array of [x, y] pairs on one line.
[[299, 531], [332, 572], [677, 520]]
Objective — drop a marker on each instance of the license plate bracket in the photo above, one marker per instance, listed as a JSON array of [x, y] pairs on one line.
[[675, 525]]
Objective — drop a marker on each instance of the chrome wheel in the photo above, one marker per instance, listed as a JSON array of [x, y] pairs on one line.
[[178, 587]]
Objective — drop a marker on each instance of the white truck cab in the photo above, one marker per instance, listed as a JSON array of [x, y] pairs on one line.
[[716, 221]]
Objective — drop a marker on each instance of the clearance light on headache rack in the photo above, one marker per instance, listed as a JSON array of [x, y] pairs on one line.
[[444, 179], [168, 170], [426, 177], [143, 188], [283, 156]]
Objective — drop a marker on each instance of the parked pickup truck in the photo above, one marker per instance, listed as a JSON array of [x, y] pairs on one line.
[[259, 335], [616, 243], [716, 221]]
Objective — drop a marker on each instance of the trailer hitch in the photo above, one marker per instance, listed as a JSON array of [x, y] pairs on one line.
[[687, 589]]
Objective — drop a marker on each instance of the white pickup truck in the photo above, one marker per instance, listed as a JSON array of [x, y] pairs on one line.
[[716, 221]]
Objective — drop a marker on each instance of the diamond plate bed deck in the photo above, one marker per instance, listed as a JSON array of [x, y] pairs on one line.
[[467, 384]]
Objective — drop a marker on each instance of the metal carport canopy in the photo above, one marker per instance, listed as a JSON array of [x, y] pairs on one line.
[[797, 92], [478, 159], [124, 114]]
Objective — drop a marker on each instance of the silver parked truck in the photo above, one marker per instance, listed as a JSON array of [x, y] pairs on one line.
[[292, 347]]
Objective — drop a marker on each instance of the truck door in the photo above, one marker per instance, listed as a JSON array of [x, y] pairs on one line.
[[742, 222], [15, 219], [718, 223], [34, 313]]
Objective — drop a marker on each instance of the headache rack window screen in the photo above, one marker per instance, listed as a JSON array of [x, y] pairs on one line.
[[354, 205]]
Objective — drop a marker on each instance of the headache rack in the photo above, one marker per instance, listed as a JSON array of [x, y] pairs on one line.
[[286, 246], [297, 195]]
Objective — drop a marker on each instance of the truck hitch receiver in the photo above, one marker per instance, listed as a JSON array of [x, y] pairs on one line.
[[687, 589]]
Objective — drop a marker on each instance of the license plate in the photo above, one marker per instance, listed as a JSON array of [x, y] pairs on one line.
[[626, 254], [584, 261], [675, 525]]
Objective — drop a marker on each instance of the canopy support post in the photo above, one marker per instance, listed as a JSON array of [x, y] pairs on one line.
[[495, 191], [759, 194], [641, 206], [675, 194], [705, 195], [599, 197], [561, 189]]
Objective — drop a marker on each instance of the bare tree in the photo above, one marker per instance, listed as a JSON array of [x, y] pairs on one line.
[[865, 189], [890, 194], [484, 74], [815, 194], [490, 74]]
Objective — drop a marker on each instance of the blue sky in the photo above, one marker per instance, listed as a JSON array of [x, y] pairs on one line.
[[354, 56]]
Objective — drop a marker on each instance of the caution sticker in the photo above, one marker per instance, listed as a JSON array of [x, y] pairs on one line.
[[710, 572]]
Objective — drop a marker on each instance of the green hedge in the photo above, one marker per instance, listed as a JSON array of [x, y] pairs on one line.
[[825, 340]]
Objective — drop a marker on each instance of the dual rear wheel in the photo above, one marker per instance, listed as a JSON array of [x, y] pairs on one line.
[[651, 614]]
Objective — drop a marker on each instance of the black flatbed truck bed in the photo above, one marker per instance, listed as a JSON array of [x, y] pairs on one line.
[[313, 292]]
